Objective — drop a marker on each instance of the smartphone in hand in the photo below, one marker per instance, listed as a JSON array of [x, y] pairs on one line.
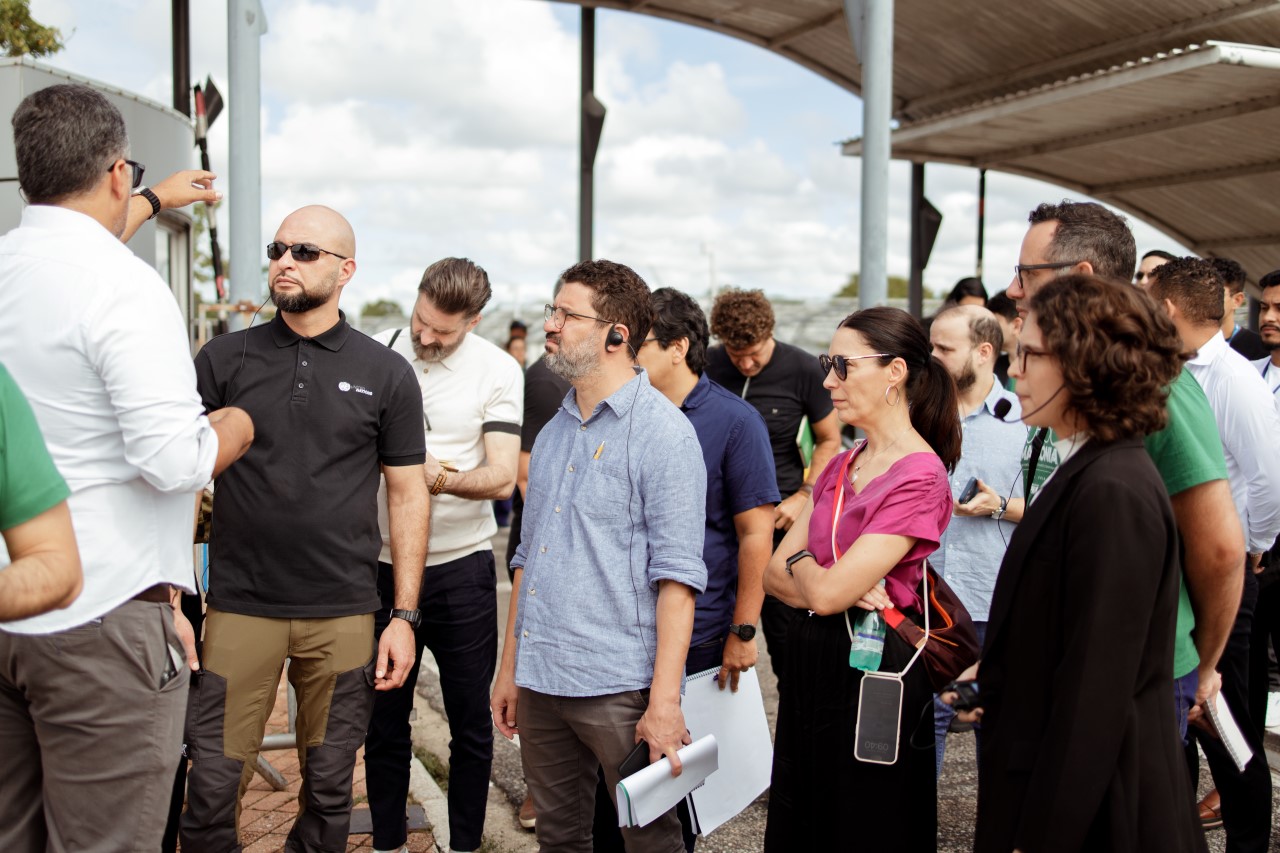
[[970, 491], [636, 760]]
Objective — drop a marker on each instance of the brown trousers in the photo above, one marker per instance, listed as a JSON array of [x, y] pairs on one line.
[[331, 669], [563, 740], [91, 733]]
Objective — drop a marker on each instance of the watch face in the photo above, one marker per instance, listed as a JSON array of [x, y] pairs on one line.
[[745, 632]]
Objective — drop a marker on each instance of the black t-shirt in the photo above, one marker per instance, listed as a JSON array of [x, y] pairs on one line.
[[543, 393], [788, 388], [1249, 344], [295, 522]]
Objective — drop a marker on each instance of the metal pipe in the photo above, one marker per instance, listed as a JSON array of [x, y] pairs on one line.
[[876, 51], [586, 151], [982, 221], [182, 56], [246, 25], [915, 285]]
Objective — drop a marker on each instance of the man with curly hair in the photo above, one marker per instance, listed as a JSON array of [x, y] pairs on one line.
[[784, 383], [1190, 289], [1085, 237]]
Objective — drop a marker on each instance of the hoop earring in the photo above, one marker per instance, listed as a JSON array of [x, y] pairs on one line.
[[896, 396]]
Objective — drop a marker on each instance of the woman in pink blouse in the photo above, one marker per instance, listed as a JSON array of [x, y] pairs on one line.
[[877, 512]]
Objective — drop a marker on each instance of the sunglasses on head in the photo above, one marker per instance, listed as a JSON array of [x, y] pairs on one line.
[[300, 251], [840, 363]]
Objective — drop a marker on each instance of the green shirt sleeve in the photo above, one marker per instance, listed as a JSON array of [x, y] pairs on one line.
[[1188, 451], [29, 482]]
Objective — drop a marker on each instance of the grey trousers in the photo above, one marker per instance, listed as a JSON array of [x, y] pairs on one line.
[[563, 740], [91, 733]]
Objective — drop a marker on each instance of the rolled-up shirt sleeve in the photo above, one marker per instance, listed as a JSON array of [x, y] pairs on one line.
[[135, 341], [674, 485]]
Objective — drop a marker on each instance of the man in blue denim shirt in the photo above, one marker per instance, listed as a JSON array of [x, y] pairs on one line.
[[609, 564], [967, 340]]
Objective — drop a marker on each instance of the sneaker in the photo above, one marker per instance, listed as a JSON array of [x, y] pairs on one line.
[[528, 817], [1273, 710]]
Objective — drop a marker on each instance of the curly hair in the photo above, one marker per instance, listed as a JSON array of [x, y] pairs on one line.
[[742, 318], [1192, 284], [619, 295], [1117, 349]]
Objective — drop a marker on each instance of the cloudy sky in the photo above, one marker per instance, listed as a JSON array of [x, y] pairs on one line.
[[449, 127]]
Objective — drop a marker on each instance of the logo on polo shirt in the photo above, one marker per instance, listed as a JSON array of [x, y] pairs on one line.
[[344, 387]]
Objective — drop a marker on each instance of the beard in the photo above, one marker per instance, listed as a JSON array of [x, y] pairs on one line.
[[436, 352], [575, 362], [967, 378], [304, 300]]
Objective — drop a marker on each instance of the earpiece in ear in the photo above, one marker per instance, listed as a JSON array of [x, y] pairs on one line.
[[614, 340]]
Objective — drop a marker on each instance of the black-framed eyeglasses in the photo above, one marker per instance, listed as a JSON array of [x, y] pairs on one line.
[[1022, 353], [137, 167], [840, 363], [1019, 269], [305, 252], [556, 316]]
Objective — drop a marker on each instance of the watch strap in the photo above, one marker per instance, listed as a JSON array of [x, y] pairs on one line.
[[149, 195], [413, 617], [795, 558]]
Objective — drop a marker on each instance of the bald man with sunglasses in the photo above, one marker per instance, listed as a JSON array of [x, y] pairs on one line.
[[295, 542]]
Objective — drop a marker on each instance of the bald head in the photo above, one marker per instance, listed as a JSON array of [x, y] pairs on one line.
[[981, 324], [320, 225]]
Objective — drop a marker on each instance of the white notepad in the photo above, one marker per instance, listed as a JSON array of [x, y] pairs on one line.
[[1228, 731], [746, 750], [648, 794]]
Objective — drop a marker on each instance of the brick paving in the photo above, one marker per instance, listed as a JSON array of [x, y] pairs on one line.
[[266, 815]]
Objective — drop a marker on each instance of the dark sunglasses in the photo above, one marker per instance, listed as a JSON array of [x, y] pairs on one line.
[[301, 251], [137, 167], [840, 363]]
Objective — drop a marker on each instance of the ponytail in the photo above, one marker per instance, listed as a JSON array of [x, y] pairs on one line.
[[935, 409], [931, 392]]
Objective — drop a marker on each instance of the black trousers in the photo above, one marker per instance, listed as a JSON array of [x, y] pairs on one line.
[[1246, 796], [459, 607], [775, 621], [1266, 634]]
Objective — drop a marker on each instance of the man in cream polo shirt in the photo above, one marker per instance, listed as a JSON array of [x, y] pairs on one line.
[[473, 402]]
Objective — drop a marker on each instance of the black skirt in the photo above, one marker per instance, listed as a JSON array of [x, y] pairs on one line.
[[822, 798]]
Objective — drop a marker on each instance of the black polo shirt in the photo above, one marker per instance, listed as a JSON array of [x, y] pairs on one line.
[[295, 522], [784, 392]]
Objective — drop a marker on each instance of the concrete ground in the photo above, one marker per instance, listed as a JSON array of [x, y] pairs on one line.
[[268, 814]]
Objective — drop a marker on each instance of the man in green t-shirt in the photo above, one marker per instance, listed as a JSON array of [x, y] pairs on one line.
[[1085, 237], [41, 569]]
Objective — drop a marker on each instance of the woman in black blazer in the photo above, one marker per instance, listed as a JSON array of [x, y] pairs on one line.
[[1080, 748]]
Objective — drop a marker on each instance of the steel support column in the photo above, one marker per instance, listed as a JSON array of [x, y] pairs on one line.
[[915, 284], [871, 28], [246, 25], [181, 18]]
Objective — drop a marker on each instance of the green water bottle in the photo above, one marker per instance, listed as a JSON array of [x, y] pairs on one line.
[[867, 647]]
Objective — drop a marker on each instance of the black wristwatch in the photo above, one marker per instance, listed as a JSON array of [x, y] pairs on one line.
[[413, 617], [150, 196], [746, 633], [795, 558]]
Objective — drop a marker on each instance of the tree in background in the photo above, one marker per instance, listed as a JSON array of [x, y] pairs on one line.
[[20, 34], [382, 308], [897, 287]]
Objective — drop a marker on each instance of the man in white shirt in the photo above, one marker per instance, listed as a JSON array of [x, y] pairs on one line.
[[472, 400], [1190, 289], [1269, 331], [92, 697]]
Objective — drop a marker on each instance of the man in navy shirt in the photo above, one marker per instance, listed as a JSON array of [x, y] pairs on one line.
[[741, 487]]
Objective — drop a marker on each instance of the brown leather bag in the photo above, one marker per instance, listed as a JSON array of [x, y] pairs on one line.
[[952, 645]]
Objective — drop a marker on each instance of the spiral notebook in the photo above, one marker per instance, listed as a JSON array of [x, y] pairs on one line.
[[745, 746]]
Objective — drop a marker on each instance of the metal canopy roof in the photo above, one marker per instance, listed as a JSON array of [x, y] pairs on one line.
[[1184, 140], [947, 54]]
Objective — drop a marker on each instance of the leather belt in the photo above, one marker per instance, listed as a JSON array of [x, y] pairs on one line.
[[161, 593]]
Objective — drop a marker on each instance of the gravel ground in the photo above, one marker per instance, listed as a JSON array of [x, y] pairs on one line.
[[957, 789]]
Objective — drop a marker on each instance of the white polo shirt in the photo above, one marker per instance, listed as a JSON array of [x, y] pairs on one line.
[[477, 389], [94, 338]]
